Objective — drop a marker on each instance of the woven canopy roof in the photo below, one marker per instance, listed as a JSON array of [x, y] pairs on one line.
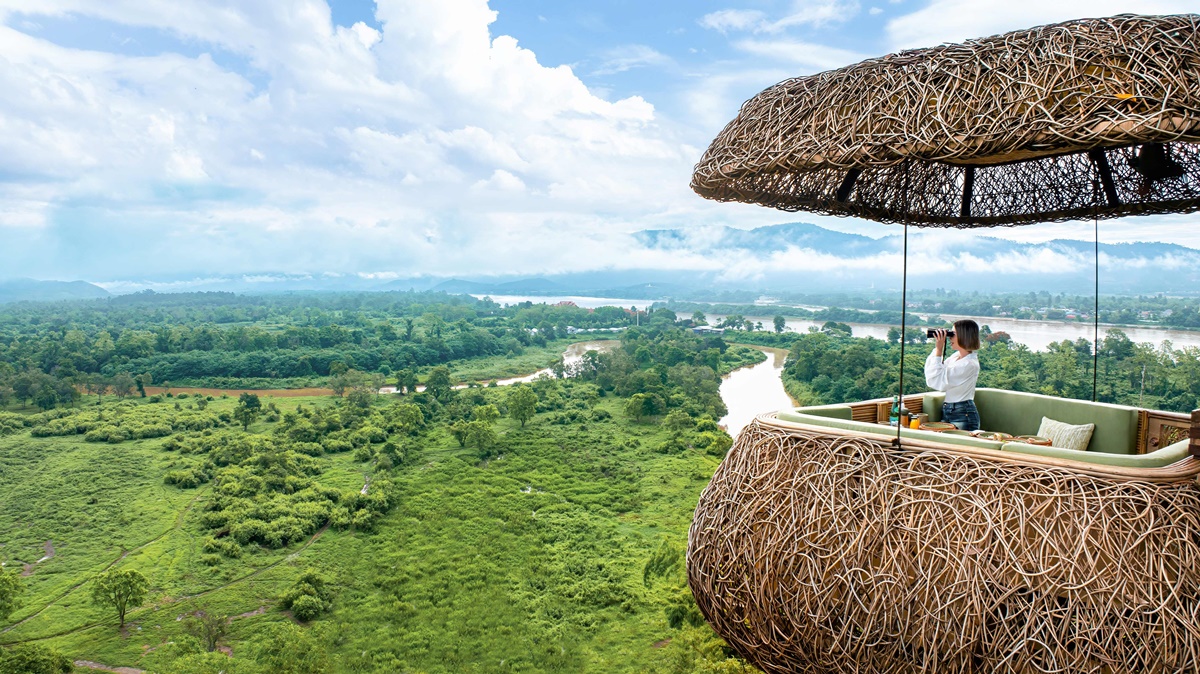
[[1088, 118]]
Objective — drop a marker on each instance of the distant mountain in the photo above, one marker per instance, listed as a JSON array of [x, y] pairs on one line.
[[707, 263], [25, 289]]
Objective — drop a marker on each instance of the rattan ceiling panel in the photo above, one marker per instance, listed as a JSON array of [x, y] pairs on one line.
[[1089, 118]]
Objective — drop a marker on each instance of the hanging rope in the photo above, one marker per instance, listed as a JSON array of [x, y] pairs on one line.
[[1096, 311], [903, 327]]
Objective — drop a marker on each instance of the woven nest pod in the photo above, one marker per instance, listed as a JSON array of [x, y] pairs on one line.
[[1088, 118]]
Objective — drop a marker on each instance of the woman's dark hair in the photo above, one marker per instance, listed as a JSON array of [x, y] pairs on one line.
[[967, 333]]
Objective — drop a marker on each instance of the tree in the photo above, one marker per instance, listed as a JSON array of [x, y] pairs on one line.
[[406, 381], [522, 403], [120, 590], [408, 417], [479, 434], [123, 385], [143, 380], [487, 414], [96, 385], [780, 323], [10, 589], [208, 628], [245, 416], [438, 383], [636, 406], [678, 422], [699, 318]]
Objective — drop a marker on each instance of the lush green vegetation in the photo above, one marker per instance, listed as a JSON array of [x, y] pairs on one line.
[[51, 353], [831, 366], [881, 308], [531, 528]]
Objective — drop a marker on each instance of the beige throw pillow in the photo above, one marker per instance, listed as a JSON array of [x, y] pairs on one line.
[[1066, 436]]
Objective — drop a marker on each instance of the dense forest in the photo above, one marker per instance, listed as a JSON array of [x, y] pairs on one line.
[[884, 307], [49, 352], [536, 527]]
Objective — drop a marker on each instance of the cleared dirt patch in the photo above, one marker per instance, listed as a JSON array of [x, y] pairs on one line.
[[88, 664], [48, 548]]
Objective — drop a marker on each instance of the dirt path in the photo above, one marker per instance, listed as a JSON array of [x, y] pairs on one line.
[[178, 523], [50, 550], [88, 664], [99, 667]]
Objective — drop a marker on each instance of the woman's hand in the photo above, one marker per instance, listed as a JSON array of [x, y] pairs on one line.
[[939, 340]]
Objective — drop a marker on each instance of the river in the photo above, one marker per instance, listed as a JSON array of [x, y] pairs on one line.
[[1037, 335], [754, 390]]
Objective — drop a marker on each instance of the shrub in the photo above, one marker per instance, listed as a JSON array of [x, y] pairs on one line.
[[308, 597], [307, 607], [333, 445]]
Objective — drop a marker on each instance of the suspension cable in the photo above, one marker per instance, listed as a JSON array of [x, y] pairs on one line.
[[1096, 293], [903, 327]]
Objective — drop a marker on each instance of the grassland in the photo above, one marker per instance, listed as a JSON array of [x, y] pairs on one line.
[[530, 559]]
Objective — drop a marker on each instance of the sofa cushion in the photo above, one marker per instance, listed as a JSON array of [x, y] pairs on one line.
[[1066, 436], [932, 405], [831, 411], [1163, 457], [864, 427], [1020, 413]]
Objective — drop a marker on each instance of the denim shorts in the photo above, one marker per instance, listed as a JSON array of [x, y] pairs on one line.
[[963, 415]]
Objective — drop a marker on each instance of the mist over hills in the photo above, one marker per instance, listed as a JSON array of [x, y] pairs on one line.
[[793, 257], [16, 290]]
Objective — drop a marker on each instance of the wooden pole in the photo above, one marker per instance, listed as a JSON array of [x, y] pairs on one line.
[[1194, 434]]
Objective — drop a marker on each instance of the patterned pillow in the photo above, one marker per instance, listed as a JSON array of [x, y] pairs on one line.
[[1066, 436]]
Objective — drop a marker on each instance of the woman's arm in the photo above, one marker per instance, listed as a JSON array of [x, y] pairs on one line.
[[940, 375]]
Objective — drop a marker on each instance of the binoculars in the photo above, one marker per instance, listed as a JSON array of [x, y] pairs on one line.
[[932, 332]]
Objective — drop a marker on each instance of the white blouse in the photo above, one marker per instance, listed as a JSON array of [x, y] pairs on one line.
[[956, 376]]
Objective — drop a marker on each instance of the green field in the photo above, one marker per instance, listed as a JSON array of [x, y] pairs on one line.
[[526, 557]]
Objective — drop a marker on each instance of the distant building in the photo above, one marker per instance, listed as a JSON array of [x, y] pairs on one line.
[[708, 330]]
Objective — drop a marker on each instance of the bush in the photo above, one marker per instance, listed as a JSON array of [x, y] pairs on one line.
[[33, 659], [363, 453], [307, 607], [308, 597]]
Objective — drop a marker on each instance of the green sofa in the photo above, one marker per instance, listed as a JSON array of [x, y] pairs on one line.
[[1113, 442], [1020, 413]]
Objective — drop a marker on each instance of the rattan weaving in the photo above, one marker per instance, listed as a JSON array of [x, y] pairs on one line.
[[814, 552], [1089, 118]]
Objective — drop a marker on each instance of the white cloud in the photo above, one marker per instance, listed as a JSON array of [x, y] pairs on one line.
[[813, 13], [954, 21], [815, 57], [726, 20], [345, 148], [628, 57]]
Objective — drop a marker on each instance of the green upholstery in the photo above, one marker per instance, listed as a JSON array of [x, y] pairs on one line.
[[932, 405], [1020, 413], [1163, 457], [831, 411], [801, 416]]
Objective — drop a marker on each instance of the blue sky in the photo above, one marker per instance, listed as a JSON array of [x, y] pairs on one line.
[[145, 139]]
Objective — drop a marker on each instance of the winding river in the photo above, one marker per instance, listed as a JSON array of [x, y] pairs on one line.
[[754, 390]]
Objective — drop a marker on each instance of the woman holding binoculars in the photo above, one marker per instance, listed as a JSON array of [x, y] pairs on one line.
[[957, 374]]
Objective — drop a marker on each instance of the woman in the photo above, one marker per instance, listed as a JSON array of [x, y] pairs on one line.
[[957, 374]]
